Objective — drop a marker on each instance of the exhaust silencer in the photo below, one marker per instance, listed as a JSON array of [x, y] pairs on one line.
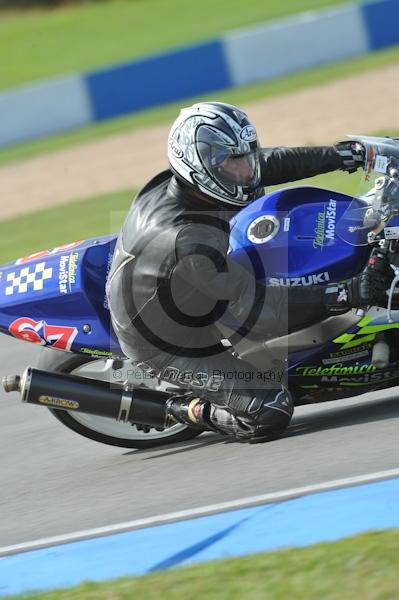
[[72, 393]]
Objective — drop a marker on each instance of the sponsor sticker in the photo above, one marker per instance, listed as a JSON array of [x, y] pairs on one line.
[[72, 267], [95, 352], [175, 148], [325, 225], [345, 358], [67, 271], [59, 402], [44, 253], [63, 275], [318, 241], [364, 379], [28, 279], [248, 134], [312, 279], [43, 334], [331, 214], [391, 233], [335, 369], [381, 164]]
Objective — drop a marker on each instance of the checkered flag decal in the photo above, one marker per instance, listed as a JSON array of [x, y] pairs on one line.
[[19, 282]]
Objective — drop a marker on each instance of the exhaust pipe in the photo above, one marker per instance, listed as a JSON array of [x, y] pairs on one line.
[[11, 383], [69, 392]]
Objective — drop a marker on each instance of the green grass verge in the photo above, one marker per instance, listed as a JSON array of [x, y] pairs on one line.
[[363, 566], [39, 44], [62, 224], [104, 214], [169, 112], [99, 215]]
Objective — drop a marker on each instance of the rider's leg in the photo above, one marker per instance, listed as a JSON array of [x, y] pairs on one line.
[[264, 417], [226, 394]]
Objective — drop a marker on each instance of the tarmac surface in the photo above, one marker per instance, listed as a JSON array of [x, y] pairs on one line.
[[54, 481]]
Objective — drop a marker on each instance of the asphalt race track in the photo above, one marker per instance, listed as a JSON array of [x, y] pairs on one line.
[[54, 481]]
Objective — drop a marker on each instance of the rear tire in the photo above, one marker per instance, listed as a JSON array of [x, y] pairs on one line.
[[101, 429]]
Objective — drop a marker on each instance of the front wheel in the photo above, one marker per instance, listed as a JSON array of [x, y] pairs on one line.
[[103, 429]]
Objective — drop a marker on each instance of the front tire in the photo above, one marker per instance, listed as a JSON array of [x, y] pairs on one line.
[[102, 429]]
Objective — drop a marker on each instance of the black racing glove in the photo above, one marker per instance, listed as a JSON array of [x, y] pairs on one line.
[[353, 155], [367, 289]]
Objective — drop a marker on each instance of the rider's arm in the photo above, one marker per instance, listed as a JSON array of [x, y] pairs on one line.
[[280, 165]]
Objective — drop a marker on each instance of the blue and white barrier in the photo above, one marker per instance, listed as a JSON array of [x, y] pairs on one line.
[[44, 108], [157, 79], [305, 40], [236, 58]]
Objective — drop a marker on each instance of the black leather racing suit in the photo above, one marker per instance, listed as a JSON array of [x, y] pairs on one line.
[[171, 281]]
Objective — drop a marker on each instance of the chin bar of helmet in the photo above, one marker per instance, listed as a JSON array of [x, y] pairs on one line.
[[79, 394]]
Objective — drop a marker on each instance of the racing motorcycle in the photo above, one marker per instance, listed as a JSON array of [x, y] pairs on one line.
[[295, 236]]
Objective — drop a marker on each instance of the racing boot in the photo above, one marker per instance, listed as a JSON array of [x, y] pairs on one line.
[[261, 416], [266, 423]]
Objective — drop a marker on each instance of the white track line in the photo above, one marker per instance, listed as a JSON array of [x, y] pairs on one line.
[[197, 512]]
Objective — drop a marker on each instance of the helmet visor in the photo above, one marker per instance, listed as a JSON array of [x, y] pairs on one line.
[[241, 170], [230, 165]]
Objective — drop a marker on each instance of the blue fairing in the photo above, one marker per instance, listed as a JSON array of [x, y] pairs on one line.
[[57, 297], [306, 248]]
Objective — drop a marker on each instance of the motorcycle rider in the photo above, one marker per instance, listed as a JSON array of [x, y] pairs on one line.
[[171, 279]]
